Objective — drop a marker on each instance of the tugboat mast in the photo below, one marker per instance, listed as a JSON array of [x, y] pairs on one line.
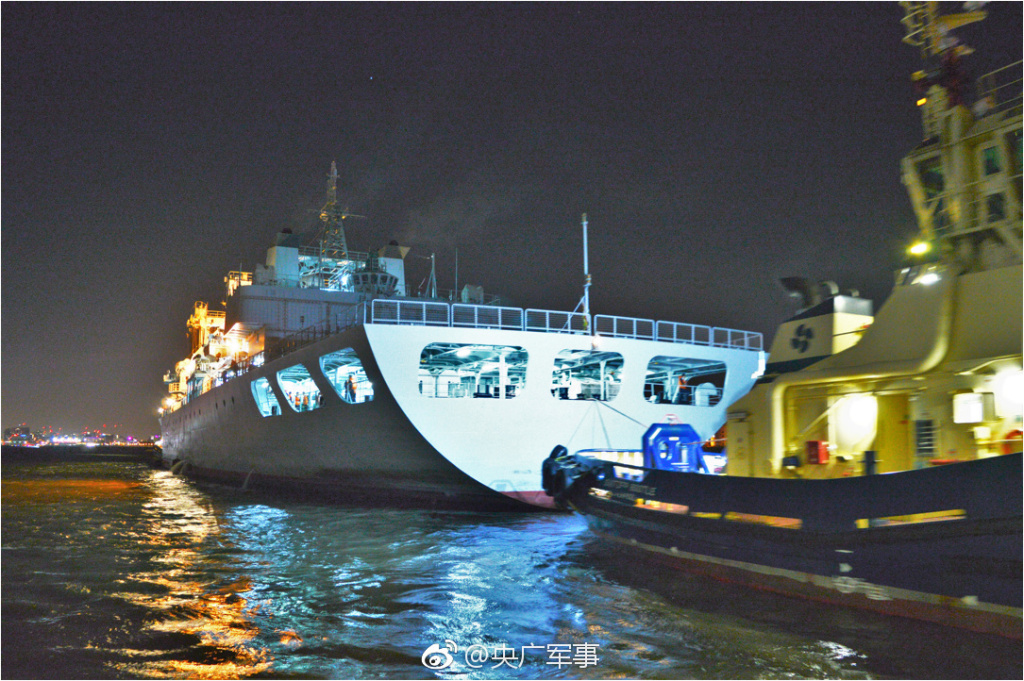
[[961, 178]]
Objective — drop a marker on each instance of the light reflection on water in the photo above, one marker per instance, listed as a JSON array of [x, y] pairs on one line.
[[119, 570]]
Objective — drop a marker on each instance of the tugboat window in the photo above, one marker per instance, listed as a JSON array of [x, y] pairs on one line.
[[990, 160], [996, 204], [684, 380], [472, 370], [300, 392], [933, 182], [345, 373], [586, 375], [266, 401]]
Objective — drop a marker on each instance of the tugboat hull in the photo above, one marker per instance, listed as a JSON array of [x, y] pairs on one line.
[[847, 542]]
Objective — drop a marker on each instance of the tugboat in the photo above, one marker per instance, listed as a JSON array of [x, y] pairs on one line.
[[877, 462]]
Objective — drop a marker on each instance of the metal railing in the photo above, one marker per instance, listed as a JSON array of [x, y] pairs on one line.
[[624, 327], [734, 338], [386, 311], [1000, 90], [675, 332], [553, 321], [487, 317], [422, 313]]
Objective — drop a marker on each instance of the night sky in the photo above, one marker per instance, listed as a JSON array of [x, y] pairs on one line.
[[148, 148]]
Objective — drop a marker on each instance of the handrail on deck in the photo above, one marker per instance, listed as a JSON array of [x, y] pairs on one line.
[[462, 315]]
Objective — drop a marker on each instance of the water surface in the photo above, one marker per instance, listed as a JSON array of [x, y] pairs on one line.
[[119, 570]]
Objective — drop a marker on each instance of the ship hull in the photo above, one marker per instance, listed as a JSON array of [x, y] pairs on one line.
[[406, 448], [364, 453], [963, 571]]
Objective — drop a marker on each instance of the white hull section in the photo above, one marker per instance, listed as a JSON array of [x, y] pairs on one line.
[[501, 443]]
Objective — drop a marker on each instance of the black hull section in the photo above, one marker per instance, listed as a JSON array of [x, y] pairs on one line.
[[964, 572], [354, 489], [365, 454]]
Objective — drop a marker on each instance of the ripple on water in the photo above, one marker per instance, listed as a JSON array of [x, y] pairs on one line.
[[120, 570]]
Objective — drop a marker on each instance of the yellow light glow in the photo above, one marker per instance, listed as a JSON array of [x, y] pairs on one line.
[[920, 248], [1009, 390], [922, 101], [856, 422]]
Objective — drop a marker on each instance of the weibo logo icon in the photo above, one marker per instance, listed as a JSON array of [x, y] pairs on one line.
[[801, 340]]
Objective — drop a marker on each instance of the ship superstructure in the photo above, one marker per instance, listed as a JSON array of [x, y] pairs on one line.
[[936, 376], [324, 372]]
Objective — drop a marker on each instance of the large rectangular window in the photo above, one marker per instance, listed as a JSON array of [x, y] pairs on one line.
[[469, 370], [586, 375], [684, 380]]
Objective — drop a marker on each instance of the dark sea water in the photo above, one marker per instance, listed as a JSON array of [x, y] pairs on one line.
[[120, 570]]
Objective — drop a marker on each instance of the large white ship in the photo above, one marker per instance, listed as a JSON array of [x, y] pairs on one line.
[[324, 374]]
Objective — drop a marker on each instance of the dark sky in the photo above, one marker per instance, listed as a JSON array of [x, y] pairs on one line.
[[148, 148]]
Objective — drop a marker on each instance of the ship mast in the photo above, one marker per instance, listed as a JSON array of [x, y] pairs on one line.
[[942, 80], [333, 248], [586, 275], [584, 304], [961, 178]]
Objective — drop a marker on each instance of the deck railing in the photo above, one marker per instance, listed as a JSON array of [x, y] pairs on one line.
[[675, 332], [423, 313], [414, 312], [552, 321], [487, 317], [624, 327]]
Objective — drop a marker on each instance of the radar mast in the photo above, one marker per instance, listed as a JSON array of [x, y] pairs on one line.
[[334, 256], [964, 178]]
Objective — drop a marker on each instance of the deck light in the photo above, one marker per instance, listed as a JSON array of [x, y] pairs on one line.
[[856, 421], [1009, 389], [920, 248]]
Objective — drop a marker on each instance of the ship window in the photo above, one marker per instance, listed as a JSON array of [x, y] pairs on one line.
[[930, 173], [683, 380], [990, 160], [300, 392], [995, 207], [586, 375], [1013, 142], [472, 370], [266, 401], [345, 373]]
